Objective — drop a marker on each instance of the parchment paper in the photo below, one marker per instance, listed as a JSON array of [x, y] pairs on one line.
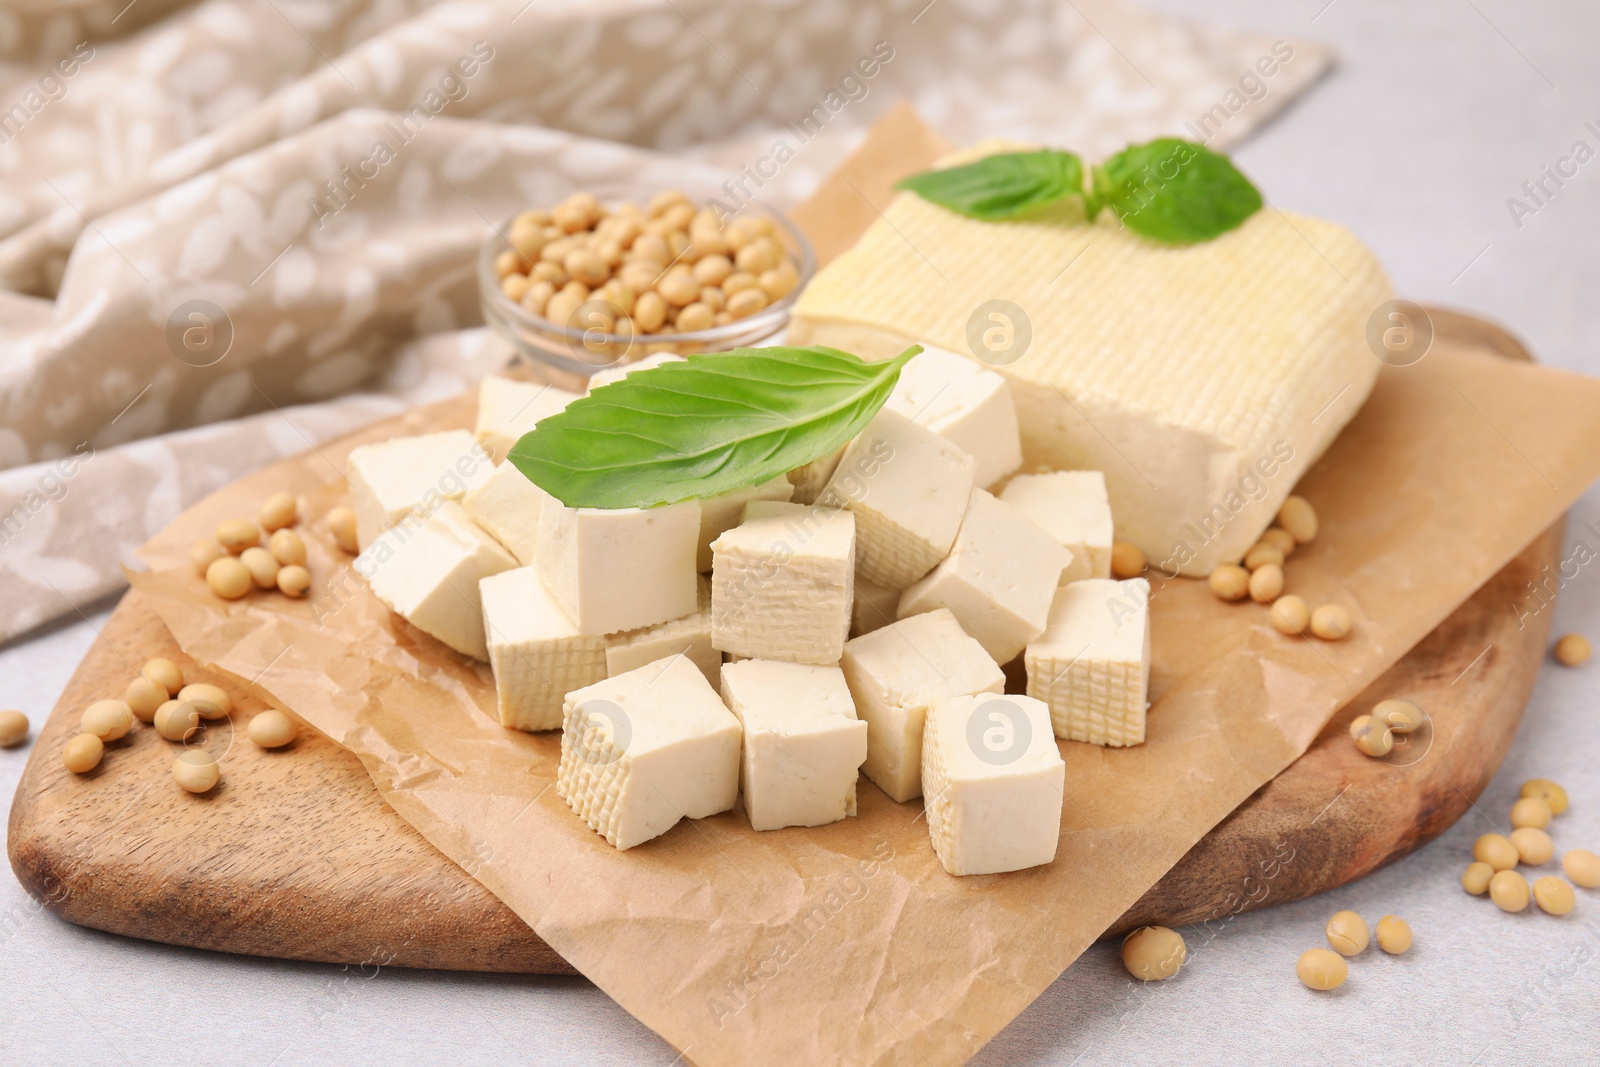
[[849, 943]]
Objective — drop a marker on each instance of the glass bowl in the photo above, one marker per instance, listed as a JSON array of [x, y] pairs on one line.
[[575, 354]]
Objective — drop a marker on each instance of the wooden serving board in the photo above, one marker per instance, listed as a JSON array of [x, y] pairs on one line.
[[295, 854]]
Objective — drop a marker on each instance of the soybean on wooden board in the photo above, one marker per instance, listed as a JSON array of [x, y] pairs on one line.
[[295, 854]]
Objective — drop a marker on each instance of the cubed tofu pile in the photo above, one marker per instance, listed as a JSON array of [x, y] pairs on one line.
[[764, 647]]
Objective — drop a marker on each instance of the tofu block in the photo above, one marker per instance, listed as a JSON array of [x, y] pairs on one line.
[[811, 479], [783, 583], [875, 607], [622, 370], [965, 403], [508, 408], [896, 674], [689, 636], [993, 784], [644, 749], [614, 570], [718, 514], [537, 654], [389, 479], [1092, 663], [1072, 507], [908, 489], [428, 569], [997, 579], [803, 744], [508, 506]]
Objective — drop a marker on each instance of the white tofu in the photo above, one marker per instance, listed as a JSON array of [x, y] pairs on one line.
[[809, 480], [875, 607], [389, 479], [718, 514], [508, 506], [428, 569], [896, 674], [508, 408], [646, 748], [689, 636], [613, 570], [537, 654], [964, 403], [783, 583], [993, 783], [622, 370], [997, 579], [803, 744], [1072, 507], [908, 489], [1092, 663]]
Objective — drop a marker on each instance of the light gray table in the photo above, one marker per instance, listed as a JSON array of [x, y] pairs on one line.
[[1436, 115]]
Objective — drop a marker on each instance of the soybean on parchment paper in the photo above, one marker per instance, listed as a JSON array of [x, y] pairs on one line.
[[848, 943]]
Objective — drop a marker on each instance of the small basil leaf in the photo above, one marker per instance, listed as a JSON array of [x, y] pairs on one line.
[[1177, 192], [1002, 186]]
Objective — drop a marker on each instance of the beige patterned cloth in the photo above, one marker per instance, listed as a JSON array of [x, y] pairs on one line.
[[232, 229]]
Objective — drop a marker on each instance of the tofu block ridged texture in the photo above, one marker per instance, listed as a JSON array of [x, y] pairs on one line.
[[993, 784], [644, 749], [687, 636], [1204, 380], [718, 514], [538, 656], [1073, 508], [1091, 665], [810, 480], [391, 478], [783, 583], [508, 506], [895, 675], [620, 569], [907, 488], [803, 744], [428, 570], [997, 579], [965, 403], [508, 408]]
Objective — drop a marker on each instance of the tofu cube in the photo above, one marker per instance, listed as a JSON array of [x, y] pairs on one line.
[[783, 582], [689, 636], [896, 674], [1092, 663], [616, 374], [811, 479], [875, 607], [646, 748], [1072, 507], [993, 783], [389, 479], [619, 569], [719, 514], [803, 744], [967, 404], [997, 579], [428, 569], [508, 408], [908, 489], [537, 654], [508, 506]]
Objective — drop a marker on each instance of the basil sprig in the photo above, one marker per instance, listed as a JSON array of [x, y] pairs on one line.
[[706, 426], [1169, 190]]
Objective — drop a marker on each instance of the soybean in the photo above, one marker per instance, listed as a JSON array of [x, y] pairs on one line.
[[1531, 811], [1280, 539], [1127, 560], [1509, 891], [177, 720], [1330, 622], [287, 548], [1394, 935], [1261, 554], [204, 553], [342, 524], [1290, 615], [109, 720], [1551, 793], [1534, 846], [1401, 716], [1475, 879], [143, 697], [262, 565], [13, 728], [294, 581], [277, 511], [229, 579], [236, 535], [1347, 933], [1229, 582], [1266, 583], [1371, 736], [272, 729], [1553, 896], [1322, 969], [165, 673], [1573, 650], [211, 701], [83, 753], [1583, 867], [1496, 851], [195, 771], [1299, 518]]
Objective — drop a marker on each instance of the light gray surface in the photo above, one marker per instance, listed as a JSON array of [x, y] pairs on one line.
[[1436, 116]]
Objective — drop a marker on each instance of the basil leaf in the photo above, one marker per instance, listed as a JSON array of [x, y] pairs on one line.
[[1177, 192], [704, 427], [1003, 186]]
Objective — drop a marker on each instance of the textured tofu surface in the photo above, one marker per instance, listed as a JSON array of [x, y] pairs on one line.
[[644, 749], [428, 570], [895, 674], [783, 582], [1203, 380], [1073, 508], [687, 636], [718, 514], [620, 569], [1092, 663], [874, 608], [967, 405], [803, 744], [997, 580], [508, 408], [993, 784], [907, 488], [811, 479], [390, 478], [538, 656], [507, 504]]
